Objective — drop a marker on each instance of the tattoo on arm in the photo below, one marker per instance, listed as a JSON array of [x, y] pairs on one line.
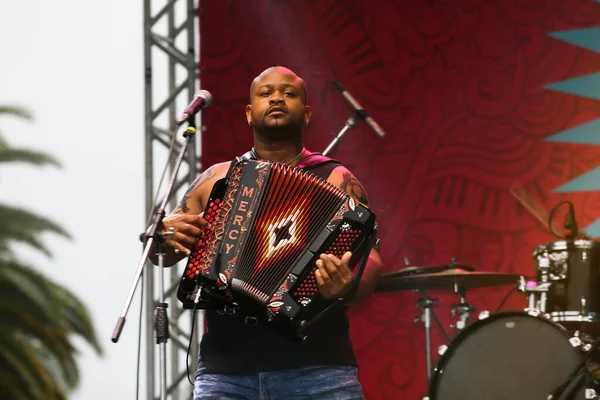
[[352, 186], [203, 177]]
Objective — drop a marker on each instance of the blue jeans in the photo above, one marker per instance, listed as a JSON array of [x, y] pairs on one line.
[[319, 383]]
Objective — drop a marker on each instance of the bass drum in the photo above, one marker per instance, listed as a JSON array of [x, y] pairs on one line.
[[508, 355]]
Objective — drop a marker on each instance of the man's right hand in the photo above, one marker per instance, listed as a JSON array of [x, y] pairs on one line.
[[187, 232], [186, 221]]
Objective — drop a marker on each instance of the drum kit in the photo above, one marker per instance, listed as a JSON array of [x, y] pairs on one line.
[[546, 351]]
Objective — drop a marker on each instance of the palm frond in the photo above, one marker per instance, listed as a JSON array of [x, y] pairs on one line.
[[24, 226], [19, 358], [47, 314], [28, 291], [15, 154], [16, 111], [38, 317], [76, 316], [40, 333], [20, 366], [11, 387], [54, 352], [64, 373], [42, 301]]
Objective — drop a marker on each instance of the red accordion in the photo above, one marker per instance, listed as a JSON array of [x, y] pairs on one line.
[[270, 223]]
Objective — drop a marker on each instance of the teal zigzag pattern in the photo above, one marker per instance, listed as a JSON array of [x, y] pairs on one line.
[[589, 132]]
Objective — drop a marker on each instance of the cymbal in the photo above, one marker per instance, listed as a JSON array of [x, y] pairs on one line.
[[445, 280], [413, 270]]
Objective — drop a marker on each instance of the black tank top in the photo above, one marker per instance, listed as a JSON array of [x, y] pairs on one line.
[[233, 347]]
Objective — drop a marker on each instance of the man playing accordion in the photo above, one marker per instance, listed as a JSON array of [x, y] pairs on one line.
[[239, 360]]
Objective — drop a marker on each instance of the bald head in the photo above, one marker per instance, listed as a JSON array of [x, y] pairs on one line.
[[291, 76], [278, 106]]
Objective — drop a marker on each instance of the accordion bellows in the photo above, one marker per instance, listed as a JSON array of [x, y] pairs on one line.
[[270, 223]]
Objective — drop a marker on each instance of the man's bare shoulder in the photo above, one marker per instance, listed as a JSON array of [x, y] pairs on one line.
[[197, 194], [345, 180], [219, 170], [210, 176]]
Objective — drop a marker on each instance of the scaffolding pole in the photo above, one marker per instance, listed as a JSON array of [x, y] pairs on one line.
[[171, 32]]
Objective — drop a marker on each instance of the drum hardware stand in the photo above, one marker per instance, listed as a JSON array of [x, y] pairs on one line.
[[532, 290], [565, 389], [152, 234], [463, 309], [542, 287], [426, 303]]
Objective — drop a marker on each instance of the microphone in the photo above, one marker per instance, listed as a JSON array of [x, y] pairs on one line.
[[361, 112], [570, 223], [202, 99]]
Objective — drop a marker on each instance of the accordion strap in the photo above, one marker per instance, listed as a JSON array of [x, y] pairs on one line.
[[311, 162], [249, 155], [315, 159]]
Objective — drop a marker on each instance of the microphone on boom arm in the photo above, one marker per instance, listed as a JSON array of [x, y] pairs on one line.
[[202, 99]]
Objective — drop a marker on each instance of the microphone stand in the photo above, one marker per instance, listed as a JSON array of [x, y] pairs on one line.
[[351, 122], [161, 325]]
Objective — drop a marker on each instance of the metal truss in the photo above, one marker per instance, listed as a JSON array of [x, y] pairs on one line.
[[171, 35]]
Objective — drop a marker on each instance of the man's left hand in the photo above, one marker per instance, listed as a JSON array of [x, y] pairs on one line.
[[334, 276]]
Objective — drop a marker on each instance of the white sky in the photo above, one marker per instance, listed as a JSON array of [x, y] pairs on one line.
[[78, 66]]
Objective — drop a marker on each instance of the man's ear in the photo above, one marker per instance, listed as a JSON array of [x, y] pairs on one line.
[[307, 114], [248, 114]]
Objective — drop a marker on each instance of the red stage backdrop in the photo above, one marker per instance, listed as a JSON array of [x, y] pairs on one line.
[[460, 87]]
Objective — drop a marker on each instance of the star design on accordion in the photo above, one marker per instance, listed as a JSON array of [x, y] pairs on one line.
[[282, 233]]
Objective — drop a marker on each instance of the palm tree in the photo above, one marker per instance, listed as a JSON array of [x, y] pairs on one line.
[[38, 317]]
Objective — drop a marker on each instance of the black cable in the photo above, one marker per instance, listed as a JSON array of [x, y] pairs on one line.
[[551, 217], [505, 299], [187, 355], [170, 154], [440, 326]]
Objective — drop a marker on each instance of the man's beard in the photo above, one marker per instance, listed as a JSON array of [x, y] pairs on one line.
[[279, 130]]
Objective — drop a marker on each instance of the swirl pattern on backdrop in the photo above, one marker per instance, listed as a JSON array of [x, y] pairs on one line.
[[459, 88]]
